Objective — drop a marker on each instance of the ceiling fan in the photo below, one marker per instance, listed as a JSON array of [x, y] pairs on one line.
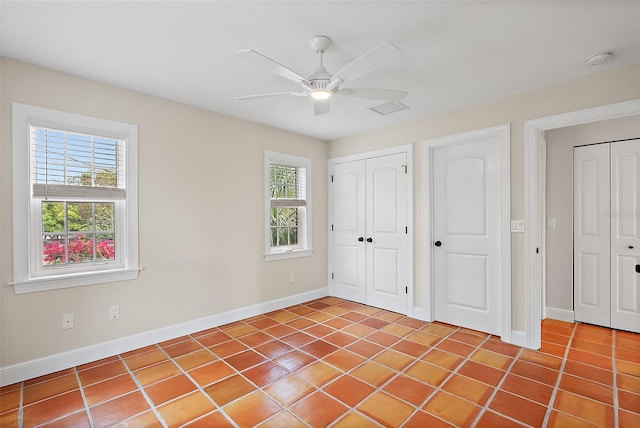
[[321, 85]]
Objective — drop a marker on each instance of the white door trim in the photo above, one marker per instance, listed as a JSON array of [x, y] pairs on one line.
[[503, 133], [408, 150], [533, 135]]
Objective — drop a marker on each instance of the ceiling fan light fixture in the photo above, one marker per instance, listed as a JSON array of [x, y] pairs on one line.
[[320, 94]]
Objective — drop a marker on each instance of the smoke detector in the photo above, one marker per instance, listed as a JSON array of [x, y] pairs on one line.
[[599, 58]]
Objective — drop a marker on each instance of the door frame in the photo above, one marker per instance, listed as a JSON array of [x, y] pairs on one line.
[[534, 193], [407, 149], [503, 133]]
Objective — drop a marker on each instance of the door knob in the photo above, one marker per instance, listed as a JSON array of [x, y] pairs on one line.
[[638, 268], [369, 239], [631, 247], [360, 239], [437, 243]]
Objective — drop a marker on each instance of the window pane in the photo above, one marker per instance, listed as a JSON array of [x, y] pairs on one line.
[[52, 217], [104, 216], [105, 247], [80, 216], [80, 249], [274, 236], [53, 251]]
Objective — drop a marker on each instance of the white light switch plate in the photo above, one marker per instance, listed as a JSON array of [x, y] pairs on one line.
[[517, 225]]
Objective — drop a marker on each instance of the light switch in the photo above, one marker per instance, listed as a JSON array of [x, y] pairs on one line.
[[517, 225], [551, 223]]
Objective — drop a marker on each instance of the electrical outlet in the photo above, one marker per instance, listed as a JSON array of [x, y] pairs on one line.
[[67, 321], [114, 312], [292, 278]]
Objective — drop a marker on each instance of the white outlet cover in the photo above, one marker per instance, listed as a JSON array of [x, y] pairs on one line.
[[517, 225]]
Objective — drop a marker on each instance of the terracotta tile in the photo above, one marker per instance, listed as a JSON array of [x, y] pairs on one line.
[[244, 360], [215, 419], [628, 419], [409, 390], [604, 331], [628, 355], [297, 339], [355, 419], [392, 359], [584, 408], [263, 323], [344, 360], [350, 305], [398, 330], [146, 359], [629, 401], [226, 349], [628, 383], [589, 372], [369, 311], [340, 339], [10, 401], [455, 347], [283, 316], [490, 419], [319, 348], [195, 359], [108, 389], [452, 409], [527, 388], [318, 305], [229, 389], [535, 372], [319, 331], [365, 348], [318, 373], [596, 348], [49, 376], [469, 339], [213, 339], [49, 388], [98, 362], [102, 372], [553, 349], [282, 419], [383, 338], [426, 339], [518, 408], [470, 389], [289, 389], [10, 388], [52, 408], [205, 332], [252, 409], [558, 339], [421, 420], [116, 410], [182, 348], [389, 316], [376, 323], [594, 337], [169, 389], [562, 420], [433, 375], [349, 390], [78, 419], [318, 409], [412, 322], [442, 359], [590, 358], [301, 309], [153, 374], [300, 323], [240, 330], [372, 373], [353, 316], [173, 341], [321, 316], [294, 360], [211, 373], [332, 300], [358, 330], [587, 388], [628, 367], [265, 373], [9, 419], [273, 349], [558, 327], [437, 329], [540, 359], [337, 323], [385, 409], [629, 344], [185, 409], [491, 359]]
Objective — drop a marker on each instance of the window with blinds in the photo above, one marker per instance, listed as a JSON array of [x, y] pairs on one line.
[[288, 213]]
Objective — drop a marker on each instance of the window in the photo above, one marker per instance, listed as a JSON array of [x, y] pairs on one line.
[[75, 200], [287, 206]]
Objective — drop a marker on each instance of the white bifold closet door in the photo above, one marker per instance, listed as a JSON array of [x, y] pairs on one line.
[[607, 234]]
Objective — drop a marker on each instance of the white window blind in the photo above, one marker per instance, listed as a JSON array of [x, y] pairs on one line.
[[76, 166], [288, 186]]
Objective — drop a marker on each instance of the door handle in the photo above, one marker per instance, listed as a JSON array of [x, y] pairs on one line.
[[437, 244], [360, 239], [638, 268], [369, 239], [631, 247]]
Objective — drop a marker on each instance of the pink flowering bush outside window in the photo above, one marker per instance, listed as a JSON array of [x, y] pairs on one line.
[[80, 250]]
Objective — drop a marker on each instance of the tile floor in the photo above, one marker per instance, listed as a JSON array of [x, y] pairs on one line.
[[332, 362]]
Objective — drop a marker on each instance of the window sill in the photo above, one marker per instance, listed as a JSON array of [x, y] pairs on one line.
[[34, 285], [287, 255]]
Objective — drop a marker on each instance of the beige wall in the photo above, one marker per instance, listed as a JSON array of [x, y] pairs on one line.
[[201, 219], [596, 90], [559, 196]]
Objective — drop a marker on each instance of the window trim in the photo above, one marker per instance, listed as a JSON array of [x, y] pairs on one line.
[[295, 161], [27, 276]]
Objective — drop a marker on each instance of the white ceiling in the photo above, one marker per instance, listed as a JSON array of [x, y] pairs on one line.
[[456, 53]]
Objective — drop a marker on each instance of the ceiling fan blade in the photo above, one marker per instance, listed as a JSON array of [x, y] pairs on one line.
[[274, 66], [272, 94], [367, 63], [321, 106], [374, 93]]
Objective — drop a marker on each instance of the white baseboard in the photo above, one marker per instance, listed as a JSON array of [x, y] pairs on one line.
[[53, 363], [560, 314], [519, 338]]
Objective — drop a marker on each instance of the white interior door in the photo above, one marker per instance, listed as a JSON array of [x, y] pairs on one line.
[[467, 258], [625, 235], [591, 234], [348, 223], [387, 252]]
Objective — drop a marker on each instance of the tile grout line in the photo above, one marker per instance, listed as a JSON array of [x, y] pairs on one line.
[[614, 367], [84, 398], [21, 408], [565, 357]]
